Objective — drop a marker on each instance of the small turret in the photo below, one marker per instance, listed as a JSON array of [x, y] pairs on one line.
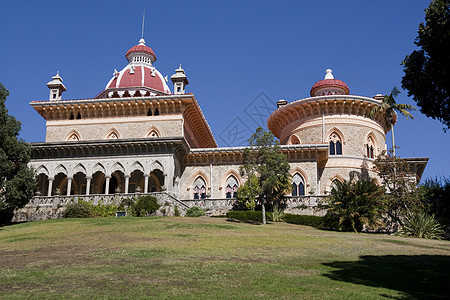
[[56, 87], [179, 81]]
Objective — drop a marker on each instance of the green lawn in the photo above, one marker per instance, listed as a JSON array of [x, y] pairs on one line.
[[211, 258]]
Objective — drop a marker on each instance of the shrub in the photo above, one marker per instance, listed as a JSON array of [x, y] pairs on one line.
[[77, 210], [314, 221], [103, 210], [353, 204], [145, 205], [277, 215], [176, 211], [195, 212], [421, 225], [247, 215]]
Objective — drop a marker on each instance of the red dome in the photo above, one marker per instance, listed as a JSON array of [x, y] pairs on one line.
[[330, 83], [141, 48]]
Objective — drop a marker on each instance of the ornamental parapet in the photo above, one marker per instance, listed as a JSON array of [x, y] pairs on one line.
[[307, 108]]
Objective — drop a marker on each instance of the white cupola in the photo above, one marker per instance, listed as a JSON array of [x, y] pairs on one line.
[[56, 87], [179, 81]]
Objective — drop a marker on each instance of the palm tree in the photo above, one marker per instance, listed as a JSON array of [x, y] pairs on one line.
[[390, 108]]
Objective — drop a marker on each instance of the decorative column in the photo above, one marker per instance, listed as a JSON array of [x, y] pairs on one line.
[[146, 176], [50, 185], [69, 185], [107, 178], [127, 183], [88, 185]]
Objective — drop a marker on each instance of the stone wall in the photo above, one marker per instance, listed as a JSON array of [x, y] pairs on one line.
[[125, 127]]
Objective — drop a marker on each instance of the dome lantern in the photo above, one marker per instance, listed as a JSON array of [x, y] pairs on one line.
[[329, 86]]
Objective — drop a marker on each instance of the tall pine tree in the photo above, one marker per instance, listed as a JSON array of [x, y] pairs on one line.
[[17, 179]]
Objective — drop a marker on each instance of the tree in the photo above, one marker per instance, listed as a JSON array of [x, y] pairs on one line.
[[353, 204], [265, 161], [390, 107], [400, 182], [17, 179], [427, 70]]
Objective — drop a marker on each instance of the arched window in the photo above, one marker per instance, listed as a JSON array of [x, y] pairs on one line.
[[294, 140], [149, 112], [156, 112], [298, 185], [335, 144], [370, 147], [199, 188], [231, 186], [335, 184]]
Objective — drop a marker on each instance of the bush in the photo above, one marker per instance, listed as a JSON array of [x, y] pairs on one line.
[[277, 215], [103, 210], [176, 211], [248, 215], [145, 205], [195, 212], [421, 225], [314, 221], [77, 210]]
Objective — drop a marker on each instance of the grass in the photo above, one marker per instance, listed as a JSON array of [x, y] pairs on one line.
[[210, 258]]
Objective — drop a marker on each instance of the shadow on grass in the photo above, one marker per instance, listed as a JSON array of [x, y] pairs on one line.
[[417, 276]]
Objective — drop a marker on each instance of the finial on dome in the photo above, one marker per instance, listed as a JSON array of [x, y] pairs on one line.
[[329, 74], [142, 41]]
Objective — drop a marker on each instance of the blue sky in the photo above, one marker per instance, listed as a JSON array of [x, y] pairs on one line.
[[235, 54]]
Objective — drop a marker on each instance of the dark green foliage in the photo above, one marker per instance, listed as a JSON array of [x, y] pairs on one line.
[[422, 225], [77, 210], [17, 179], [265, 161], [247, 216], [195, 212], [427, 76], [435, 195], [314, 221], [176, 211], [145, 206], [353, 204]]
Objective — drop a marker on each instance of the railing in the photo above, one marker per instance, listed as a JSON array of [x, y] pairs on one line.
[[116, 199], [210, 204], [310, 201], [290, 201]]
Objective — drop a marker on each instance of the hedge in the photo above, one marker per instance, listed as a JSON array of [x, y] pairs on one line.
[[314, 221], [247, 215]]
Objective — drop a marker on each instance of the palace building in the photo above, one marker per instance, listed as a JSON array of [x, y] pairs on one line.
[[138, 136]]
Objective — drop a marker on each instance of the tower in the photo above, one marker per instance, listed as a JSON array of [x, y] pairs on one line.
[[180, 81], [56, 87]]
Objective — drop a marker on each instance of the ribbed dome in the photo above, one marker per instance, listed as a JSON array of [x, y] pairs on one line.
[[139, 77], [329, 86]]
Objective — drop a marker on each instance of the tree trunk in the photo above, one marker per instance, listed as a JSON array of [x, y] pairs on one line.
[[393, 143], [263, 209]]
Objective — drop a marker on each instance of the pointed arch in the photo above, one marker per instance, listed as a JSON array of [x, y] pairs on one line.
[[370, 145], [152, 132], [42, 170], [199, 188], [73, 135], [118, 167], [336, 141], [98, 168], [79, 169], [331, 181], [156, 165], [112, 134], [137, 166], [298, 185], [294, 140], [60, 169]]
